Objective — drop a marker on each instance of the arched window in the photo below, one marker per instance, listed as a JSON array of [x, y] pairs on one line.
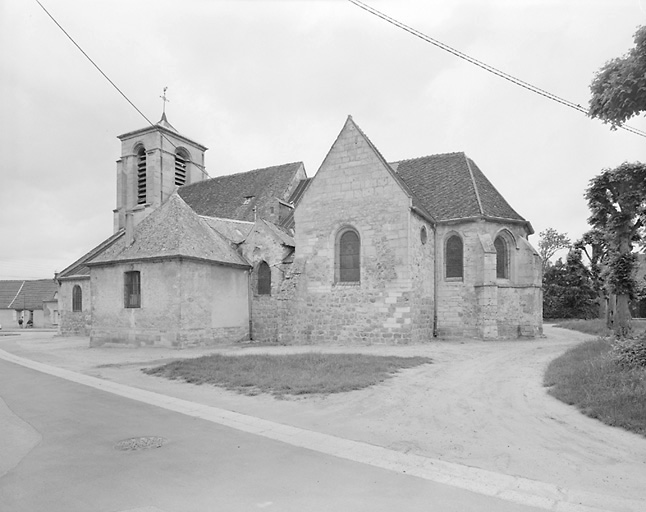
[[454, 257], [77, 298], [141, 175], [502, 258], [181, 162], [348, 257], [264, 279]]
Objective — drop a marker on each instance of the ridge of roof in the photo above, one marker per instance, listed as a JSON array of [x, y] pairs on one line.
[[9, 289], [33, 293], [415, 203], [75, 269], [473, 182], [235, 196], [173, 230], [440, 182]]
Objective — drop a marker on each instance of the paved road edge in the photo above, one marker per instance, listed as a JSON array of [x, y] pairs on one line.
[[510, 488]]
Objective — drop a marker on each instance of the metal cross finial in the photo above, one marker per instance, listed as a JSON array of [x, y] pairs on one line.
[[165, 100]]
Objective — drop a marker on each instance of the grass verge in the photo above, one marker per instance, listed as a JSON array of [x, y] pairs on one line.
[[293, 374], [597, 327], [588, 377]]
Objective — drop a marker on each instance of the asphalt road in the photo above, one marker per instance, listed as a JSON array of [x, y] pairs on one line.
[[69, 462]]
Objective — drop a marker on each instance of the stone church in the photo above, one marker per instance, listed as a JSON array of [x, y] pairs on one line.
[[366, 251]]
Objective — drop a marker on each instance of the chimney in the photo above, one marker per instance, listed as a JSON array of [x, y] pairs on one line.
[[130, 229]]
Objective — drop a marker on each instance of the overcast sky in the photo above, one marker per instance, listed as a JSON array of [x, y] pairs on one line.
[[265, 82]]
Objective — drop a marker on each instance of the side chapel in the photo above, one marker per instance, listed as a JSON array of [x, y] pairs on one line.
[[366, 251]]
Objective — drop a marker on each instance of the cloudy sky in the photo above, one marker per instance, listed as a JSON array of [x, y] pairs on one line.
[[265, 82]]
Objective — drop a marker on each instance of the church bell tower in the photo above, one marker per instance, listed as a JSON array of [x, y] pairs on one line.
[[154, 161]]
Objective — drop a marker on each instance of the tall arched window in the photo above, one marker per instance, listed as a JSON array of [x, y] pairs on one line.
[[181, 162], [141, 175], [348, 257], [454, 257], [264, 279], [77, 298], [502, 258]]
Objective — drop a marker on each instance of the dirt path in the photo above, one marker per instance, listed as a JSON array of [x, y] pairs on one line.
[[480, 404]]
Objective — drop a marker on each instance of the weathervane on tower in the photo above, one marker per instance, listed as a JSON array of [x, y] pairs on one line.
[[165, 100]]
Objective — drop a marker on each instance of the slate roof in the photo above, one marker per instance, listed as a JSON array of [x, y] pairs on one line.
[[173, 230], [27, 294], [282, 235], [451, 186], [235, 196], [234, 230]]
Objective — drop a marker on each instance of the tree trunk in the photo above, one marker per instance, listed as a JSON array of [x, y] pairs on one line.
[[602, 300], [622, 317], [611, 309]]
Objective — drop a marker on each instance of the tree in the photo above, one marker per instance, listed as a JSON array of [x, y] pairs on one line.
[[568, 291], [550, 242], [617, 200], [593, 245], [619, 87]]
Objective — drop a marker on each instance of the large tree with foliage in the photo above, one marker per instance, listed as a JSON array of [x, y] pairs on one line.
[[568, 290], [594, 246], [619, 87], [550, 242], [617, 200]]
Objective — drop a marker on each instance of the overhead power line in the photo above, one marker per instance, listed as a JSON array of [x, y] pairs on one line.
[[201, 167], [483, 65]]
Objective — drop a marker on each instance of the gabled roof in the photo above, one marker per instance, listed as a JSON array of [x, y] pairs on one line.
[[173, 230], [8, 291], [27, 294], [233, 230], [79, 268], [451, 186], [235, 196]]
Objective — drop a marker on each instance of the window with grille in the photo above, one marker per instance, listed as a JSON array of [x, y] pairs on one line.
[[132, 289], [349, 257], [502, 258], [181, 161], [454, 257], [141, 176], [77, 298], [264, 279]]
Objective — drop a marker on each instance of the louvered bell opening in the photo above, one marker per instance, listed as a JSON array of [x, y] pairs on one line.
[[180, 170]]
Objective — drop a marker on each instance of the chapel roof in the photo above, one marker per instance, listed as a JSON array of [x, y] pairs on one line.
[[27, 294], [79, 268], [234, 230], [236, 195], [451, 186], [173, 230]]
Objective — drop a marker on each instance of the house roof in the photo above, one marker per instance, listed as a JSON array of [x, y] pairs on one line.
[[451, 186], [173, 230], [235, 196], [27, 294], [8, 292]]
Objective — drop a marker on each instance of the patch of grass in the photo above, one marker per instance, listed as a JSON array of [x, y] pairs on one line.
[[597, 327], [293, 374], [588, 377]]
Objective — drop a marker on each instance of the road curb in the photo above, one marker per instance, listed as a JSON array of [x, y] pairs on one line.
[[510, 488]]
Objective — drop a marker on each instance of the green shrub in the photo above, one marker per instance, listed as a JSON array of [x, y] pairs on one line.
[[630, 353]]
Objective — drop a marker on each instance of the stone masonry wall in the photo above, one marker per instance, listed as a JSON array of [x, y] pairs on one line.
[[353, 188], [480, 304], [422, 254], [74, 323], [183, 303]]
